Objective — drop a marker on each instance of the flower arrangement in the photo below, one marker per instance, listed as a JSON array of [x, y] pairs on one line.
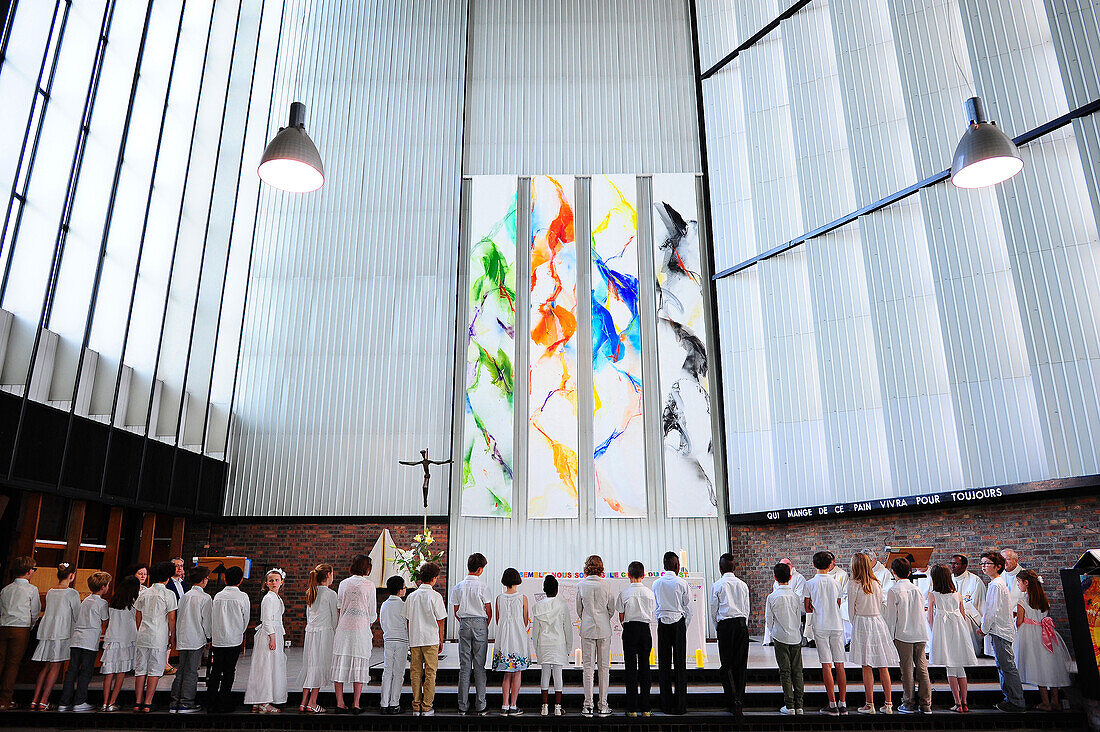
[[411, 560]]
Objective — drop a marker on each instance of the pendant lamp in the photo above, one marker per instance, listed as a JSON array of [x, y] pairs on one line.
[[291, 161], [985, 155]]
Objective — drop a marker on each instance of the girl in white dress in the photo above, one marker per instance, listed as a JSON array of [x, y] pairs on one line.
[[357, 601], [54, 632], [321, 619], [267, 676], [120, 640], [872, 644], [951, 644], [1041, 654], [510, 652]]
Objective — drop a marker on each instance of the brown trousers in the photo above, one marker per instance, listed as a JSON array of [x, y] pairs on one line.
[[425, 662], [912, 655], [13, 644]]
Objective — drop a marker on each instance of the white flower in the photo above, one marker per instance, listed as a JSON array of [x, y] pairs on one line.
[[421, 566]]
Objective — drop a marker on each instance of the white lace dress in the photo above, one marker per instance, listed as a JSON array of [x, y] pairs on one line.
[[354, 639]]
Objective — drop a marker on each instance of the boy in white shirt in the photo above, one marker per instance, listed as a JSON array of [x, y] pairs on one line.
[[783, 618], [427, 619], [904, 616], [729, 602], [229, 618], [156, 619], [1000, 627], [395, 638], [595, 607], [673, 618], [20, 606], [636, 605], [192, 634], [473, 607], [91, 621], [823, 600]]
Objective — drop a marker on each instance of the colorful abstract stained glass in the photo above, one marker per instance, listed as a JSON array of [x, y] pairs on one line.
[[618, 427], [552, 433], [490, 350], [682, 350]]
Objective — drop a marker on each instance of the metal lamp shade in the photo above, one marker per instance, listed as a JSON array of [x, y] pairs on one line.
[[291, 162], [985, 155]]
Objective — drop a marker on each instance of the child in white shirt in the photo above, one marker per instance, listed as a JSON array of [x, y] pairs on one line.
[[229, 620], [552, 633], [19, 609], [636, 606], [84, 644], [394, 620], [54, 633], [783, 617], [119, 643], [156, 619], [192, 636], [595, 608], [427, 615], [823, 600]]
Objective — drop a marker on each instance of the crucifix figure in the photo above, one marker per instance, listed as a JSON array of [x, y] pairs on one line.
[[425, 462]]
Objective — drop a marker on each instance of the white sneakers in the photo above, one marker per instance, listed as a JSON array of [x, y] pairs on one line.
[[558, 710], [545, 711]]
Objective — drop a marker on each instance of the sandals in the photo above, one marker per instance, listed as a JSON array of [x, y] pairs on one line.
[[315, 709], [265, 709]]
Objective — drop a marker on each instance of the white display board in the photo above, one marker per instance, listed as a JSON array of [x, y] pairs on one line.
[[567, 590]]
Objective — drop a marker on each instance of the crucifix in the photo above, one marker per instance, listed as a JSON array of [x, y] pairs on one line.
[[425, 462]]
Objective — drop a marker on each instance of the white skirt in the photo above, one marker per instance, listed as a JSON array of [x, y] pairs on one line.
[[1036, 664], [350, 669], [952, 643], [871, 643], [51, 651], [316, 659], [267, 675], [118, 658]]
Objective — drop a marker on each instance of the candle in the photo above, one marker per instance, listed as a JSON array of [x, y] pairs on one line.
[[652, 657], [683, 560], [577, 657], [698, 658]]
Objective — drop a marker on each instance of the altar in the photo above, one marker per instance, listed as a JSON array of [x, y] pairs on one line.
[[531, 587]]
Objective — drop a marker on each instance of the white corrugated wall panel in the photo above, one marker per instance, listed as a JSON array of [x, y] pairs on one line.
[[922, 443], [347, 352], [1052, 241], [580, 87], [953, 333]]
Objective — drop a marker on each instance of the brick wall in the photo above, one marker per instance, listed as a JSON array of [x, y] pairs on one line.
[[297, 548], [1048, 533]]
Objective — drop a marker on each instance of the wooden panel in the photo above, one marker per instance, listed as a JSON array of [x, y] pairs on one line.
[[75, 532], [145, 546], [28, 529], [114, 536], [176, 547]]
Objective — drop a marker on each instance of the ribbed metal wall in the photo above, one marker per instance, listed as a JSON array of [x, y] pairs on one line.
[[580, 86], [943, 342], [348, 348]]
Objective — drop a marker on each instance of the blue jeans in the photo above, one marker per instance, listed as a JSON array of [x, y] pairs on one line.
[[1006, 670]]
